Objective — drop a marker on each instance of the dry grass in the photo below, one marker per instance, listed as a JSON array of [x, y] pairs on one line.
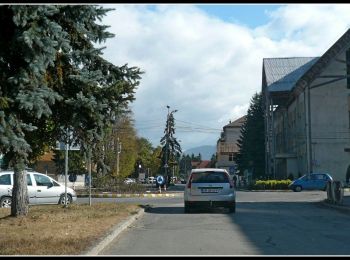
[[55, 230]]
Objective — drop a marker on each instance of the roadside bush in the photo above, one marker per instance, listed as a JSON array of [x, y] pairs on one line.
[[112, 184], [271, 184]]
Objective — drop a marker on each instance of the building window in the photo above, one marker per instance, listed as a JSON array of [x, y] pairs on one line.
[[230, 157]]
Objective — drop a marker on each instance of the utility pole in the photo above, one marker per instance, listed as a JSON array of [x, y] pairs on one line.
[[119, 149], [89, 169], [66, 170], [173, 180]]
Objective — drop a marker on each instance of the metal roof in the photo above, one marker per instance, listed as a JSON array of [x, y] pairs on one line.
[[282, 73], [237, 123]]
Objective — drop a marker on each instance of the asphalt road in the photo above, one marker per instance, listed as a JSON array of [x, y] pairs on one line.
[[265, 223]]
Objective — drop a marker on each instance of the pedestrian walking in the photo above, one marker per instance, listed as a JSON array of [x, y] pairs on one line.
[[234, 178]]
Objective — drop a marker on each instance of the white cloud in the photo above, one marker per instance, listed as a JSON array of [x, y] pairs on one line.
[[316, 26], [206, 68]]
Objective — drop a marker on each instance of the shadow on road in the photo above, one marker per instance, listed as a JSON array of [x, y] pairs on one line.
[[283, 228], [288, 228], [180, 210]]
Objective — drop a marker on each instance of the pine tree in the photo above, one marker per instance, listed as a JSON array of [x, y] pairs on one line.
[[251, 155], [213, 161], [171, 149], [54, 81]]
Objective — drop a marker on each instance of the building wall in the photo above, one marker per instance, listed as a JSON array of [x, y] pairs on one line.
[[330, 127], [226, 146], [298, 134], [330, 122]]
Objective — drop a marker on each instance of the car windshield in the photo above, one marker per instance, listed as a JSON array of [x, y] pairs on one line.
[[209, 177]]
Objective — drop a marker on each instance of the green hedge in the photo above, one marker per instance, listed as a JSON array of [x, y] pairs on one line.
[[271, 184]]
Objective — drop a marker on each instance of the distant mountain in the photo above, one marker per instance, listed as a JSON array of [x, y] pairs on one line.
[[206, 151]]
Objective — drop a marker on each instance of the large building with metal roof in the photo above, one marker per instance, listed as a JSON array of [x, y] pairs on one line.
[[307, 113]]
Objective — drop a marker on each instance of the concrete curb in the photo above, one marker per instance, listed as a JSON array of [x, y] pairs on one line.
[[95, 250], [145, 195]]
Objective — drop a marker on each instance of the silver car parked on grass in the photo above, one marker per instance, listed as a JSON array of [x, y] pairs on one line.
[[42, 189], [209, 187]]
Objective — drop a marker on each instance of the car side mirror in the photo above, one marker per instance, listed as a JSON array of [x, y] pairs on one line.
[[49, 185]]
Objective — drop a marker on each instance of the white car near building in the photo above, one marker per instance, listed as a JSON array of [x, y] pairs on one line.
[[42, 189]]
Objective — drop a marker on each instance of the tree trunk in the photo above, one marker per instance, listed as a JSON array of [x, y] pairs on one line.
[[20, 199]]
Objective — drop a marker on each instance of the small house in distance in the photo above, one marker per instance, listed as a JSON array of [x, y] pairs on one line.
[[226, 147]]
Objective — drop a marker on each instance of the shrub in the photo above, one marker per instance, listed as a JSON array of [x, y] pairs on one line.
[[111, 184], [271, 184]]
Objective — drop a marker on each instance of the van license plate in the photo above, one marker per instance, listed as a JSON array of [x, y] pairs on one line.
[[210, 190]]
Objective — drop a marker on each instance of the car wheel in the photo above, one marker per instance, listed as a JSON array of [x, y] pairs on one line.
[[232, 208], [62, 199], [297, 188], [5, 202]]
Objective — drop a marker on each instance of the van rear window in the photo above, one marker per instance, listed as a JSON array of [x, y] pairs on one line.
[[210, 177]]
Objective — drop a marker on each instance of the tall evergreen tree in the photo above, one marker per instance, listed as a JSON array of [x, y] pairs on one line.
[[213, 161], [54, 79], [171, 149], [251, 155]]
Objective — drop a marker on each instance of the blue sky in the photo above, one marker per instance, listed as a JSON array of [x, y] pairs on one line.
[[205, 60], [251, 15]]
